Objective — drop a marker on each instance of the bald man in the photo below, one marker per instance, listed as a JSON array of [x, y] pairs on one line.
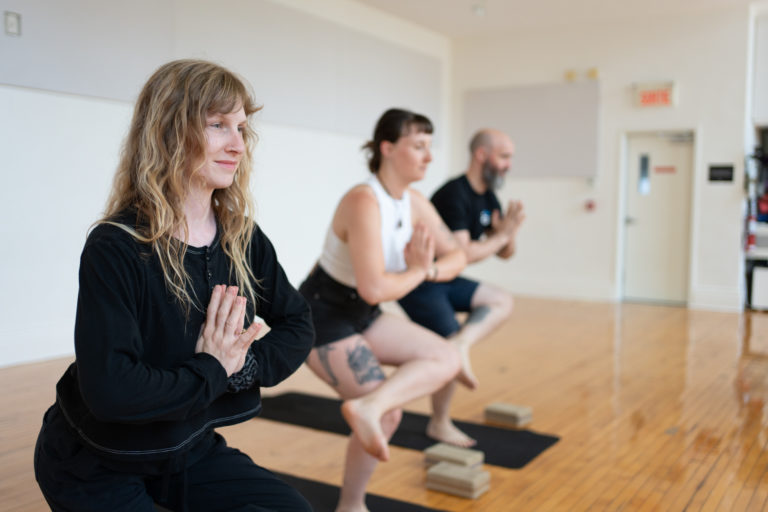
[[470, 208]]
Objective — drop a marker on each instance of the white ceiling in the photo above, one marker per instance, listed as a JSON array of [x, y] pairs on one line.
[[456, 19]]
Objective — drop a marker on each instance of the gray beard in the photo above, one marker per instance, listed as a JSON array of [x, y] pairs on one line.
[[492, 179]]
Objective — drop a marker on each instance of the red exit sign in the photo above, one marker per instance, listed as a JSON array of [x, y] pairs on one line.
[[660, 94]]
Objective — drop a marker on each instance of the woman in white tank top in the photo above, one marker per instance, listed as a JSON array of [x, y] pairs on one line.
[[384, 240]]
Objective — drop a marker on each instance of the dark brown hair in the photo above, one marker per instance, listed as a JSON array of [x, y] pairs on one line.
[[393, 124]]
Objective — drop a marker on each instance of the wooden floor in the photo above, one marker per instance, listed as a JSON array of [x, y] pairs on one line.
[[657, 408]]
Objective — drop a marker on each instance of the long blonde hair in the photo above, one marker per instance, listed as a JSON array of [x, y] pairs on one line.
[[163, 150]]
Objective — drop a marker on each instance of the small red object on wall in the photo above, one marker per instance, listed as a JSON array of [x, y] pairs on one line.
[[655, 94]]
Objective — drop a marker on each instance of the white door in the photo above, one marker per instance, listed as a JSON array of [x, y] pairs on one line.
[[657, 222]]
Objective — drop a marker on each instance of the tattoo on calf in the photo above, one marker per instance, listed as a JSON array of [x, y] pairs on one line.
[[322, 353], [478, 314], [363, 364]]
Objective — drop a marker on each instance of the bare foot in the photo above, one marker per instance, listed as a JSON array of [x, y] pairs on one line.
[[446, 432], [366, 424], [465, 375]]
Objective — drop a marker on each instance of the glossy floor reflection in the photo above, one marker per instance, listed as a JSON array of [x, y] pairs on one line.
[[657, 407]]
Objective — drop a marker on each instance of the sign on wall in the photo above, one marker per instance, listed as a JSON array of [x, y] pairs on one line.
[[655, 94]]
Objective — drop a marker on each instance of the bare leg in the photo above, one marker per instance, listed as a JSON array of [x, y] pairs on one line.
[[490, 307], [465, 376], [352, 366], [424, 364], [360, 465], [440, 426]]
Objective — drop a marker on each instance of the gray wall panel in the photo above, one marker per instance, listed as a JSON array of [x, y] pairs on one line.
[[554, 126], [307, 71], [87, 47]]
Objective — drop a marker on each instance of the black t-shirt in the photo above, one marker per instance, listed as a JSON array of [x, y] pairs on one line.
[[463, 208]]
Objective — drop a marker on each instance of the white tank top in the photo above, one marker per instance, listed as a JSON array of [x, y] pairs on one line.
[[396, 231]]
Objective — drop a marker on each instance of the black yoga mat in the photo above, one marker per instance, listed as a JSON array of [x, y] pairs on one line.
[[324, 497], [502, 447]]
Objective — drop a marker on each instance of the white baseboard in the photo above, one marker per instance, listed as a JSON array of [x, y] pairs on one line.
[[716, 298]]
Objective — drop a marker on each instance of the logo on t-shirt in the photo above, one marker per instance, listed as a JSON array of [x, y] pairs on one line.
[[485, 218]]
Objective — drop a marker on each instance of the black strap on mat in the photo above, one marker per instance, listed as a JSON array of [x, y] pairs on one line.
[[508, 448]]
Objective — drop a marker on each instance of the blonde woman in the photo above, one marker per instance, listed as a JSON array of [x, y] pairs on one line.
[[170, 280], [384, 240]]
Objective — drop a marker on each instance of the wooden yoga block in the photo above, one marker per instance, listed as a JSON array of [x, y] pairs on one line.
[[508, 414], [458, 480], [445, 452]]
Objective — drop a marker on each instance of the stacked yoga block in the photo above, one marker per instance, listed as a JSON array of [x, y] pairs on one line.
[[456, 470], [459, 471], [508, 414], [442, 452]]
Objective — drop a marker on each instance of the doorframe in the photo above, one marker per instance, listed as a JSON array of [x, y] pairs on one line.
[[621, 227]]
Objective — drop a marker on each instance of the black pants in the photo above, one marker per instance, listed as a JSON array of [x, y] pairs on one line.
[[73, 478]]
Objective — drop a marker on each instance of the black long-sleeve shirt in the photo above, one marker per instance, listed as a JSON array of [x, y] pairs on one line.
[[137, 389]]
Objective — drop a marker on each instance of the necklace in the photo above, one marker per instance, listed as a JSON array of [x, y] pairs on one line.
[[397, 203]]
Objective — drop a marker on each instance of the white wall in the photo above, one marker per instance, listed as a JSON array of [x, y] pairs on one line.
[[60, 152], [760, 60], [302, 172], [563, 249]]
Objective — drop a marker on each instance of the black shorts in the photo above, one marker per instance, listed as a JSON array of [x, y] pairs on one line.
[[434, 305], [337, 310]]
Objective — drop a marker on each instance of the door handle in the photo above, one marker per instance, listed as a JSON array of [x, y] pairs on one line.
[[628, 221]]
